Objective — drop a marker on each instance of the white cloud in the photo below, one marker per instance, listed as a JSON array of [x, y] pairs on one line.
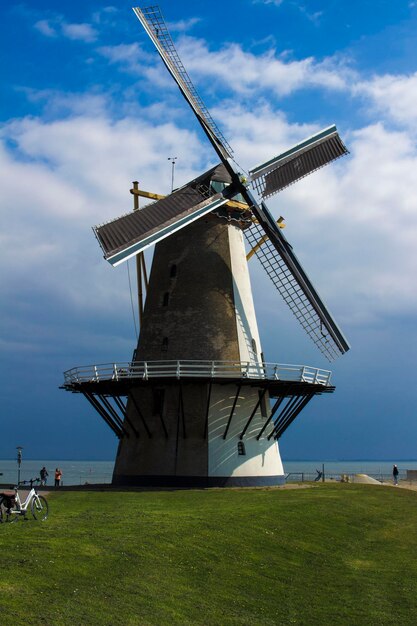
[[274, 2], [244, 71], [392, 95], [44, 27], [81, 32], [71, 174], [57, 104], [312, 17], [83, 151], [260, 133], [105, 15], [130, 55], [57, 25], [182, 26], [133, 59], [248, 74]]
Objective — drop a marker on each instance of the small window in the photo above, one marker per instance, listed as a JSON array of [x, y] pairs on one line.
[[241, 448], [173, 271], [158, 401], [165, 300], [263, 407], [164, 344], [254, 348]]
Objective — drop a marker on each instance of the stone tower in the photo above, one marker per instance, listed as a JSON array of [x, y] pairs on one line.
[[199, 309]]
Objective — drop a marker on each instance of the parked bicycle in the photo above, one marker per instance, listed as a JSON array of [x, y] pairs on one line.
[[12, 507]]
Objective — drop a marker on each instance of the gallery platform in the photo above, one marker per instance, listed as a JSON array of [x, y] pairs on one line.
[[106, 387]]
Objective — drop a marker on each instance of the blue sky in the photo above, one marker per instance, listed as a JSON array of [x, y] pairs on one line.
[[87, 107]]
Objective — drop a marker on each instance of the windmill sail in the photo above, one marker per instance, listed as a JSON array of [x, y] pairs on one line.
[[301, 160], [288, 276], [129, 234], [154, 24]]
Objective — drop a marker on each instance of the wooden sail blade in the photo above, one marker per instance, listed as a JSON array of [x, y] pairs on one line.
[[303, 159], [132, 233]]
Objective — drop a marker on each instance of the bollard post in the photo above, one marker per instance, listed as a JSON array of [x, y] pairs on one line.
[[19, 462], [322, 475]]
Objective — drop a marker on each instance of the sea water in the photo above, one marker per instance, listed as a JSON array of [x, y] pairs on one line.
[[99, 472], [73, 472]]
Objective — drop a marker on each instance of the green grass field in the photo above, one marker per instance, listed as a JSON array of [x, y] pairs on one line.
[[328, 554]]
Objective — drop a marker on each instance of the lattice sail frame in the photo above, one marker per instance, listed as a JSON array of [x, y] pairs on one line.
[[154, 24], [292, 293]]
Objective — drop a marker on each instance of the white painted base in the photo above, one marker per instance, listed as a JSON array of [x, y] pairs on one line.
[[261, 458]]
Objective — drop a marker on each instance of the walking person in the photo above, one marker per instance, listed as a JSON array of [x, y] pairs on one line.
[[395, 473], [44, 475], [58, 476]]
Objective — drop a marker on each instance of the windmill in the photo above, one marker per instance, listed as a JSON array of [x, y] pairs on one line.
[[198, 404]]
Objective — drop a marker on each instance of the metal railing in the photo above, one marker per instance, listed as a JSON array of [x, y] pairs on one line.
[[348, 477], [145, 370]]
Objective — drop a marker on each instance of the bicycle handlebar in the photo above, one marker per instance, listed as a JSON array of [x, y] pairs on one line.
[[30, 481]]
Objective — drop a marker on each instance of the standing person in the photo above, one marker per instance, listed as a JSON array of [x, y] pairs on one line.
[[395, 474], [58, 476], [44, 475]]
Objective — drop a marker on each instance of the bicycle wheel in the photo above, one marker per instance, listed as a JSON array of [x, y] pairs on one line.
[[39, 508]]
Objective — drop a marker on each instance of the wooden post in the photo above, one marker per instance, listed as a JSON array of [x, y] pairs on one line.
[[135, 196], [140, 261], [145, 274]]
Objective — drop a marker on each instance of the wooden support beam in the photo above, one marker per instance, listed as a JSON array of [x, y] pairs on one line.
[[141, 273], [235, 204], [112, 412], [290, 418], [145, 194], [100, 410], [124, 413], [274, 410], [289, 407]]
